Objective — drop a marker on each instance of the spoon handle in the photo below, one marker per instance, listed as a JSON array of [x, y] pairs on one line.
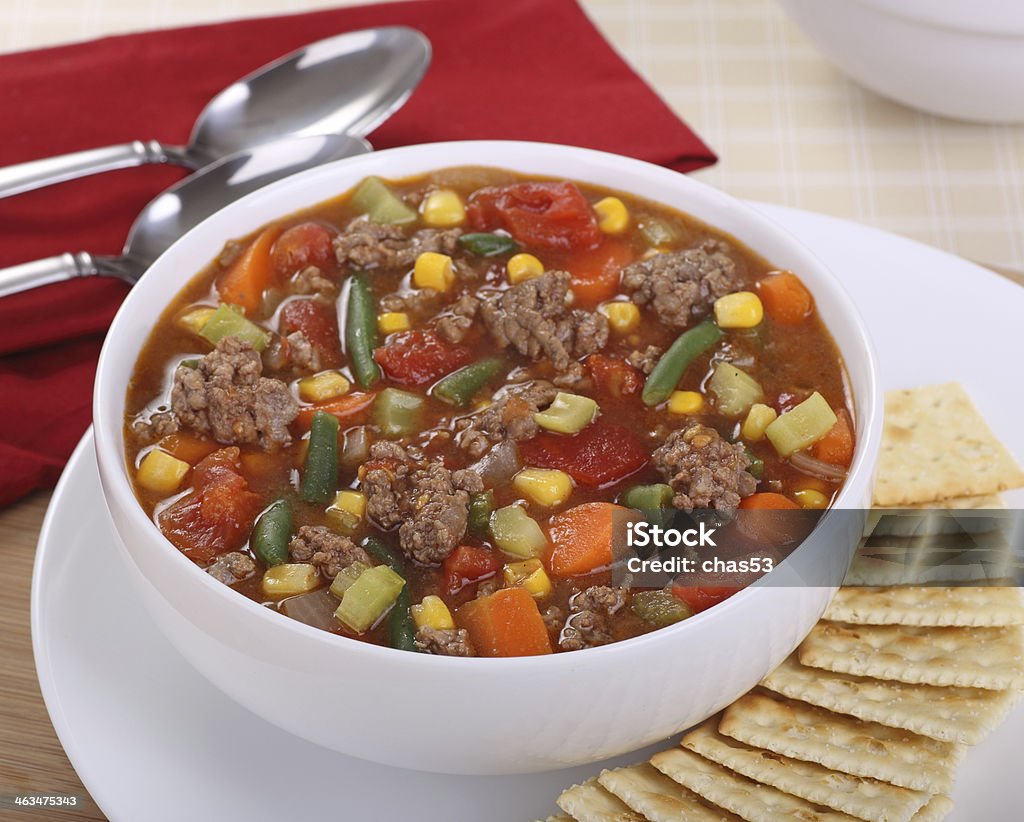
[[43, 272], [38, 173]]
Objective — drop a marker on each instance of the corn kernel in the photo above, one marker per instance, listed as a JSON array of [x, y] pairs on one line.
[[195, 319], [443, 209], [290, 579], [432, 613], [759, 417], [811, 498], [612, 215], [529, 575], [161, 472], [544, 486], [433, 270], [323, 386], [391, 322], [685, 402], [623, 317], [742, 309], [523, 267]]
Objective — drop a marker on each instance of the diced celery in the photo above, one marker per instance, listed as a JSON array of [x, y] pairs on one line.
[[380, 204], [369, 598], [659, 607], [397, 412], [346, 577], [568, 414], [227, 321], [735, 391], [801, 426], [516, 533], [657, 232]]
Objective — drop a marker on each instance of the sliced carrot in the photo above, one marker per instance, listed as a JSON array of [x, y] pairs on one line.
[[836, 447], [769, 521], [767, 501], [251, 274], [345, 408], [786, 300], [582, 538], [506, 623], [595, 272], [187, 447]]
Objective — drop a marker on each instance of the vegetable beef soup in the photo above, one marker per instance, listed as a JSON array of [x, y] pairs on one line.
[[416, 414]]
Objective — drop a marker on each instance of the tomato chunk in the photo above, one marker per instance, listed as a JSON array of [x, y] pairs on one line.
[[319, 322], [467, 565], [420, 357], [700, 598], [600, 455], [544, 215], [348, 408], [218, 515], [614, 376], [302, 245]]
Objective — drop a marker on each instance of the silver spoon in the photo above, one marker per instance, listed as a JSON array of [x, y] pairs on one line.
[[185, 205], [347, 84]]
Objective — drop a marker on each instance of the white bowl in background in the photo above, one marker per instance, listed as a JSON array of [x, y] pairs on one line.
[[950, 57], [479, 716]]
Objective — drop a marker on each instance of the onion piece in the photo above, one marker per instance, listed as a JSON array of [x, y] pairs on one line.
[[499, 464], [804, 462], [315, 608]]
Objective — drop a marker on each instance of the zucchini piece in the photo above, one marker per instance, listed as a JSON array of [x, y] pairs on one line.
[[568, 414], [380, 204], [397, 412], [516, 532], [735, 391]]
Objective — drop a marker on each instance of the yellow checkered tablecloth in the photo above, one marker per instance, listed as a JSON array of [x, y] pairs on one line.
[[788, 127]]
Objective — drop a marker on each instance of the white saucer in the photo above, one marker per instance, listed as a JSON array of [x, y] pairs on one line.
[[151, 740]]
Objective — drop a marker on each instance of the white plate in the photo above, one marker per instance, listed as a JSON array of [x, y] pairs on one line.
[[152, 740]]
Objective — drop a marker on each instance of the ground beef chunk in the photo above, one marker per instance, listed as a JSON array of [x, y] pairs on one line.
[[454, 324], [589, 611], [574, 377], [301, 352], [445, 641], [429, 502], [226, 396], [150, 429], [644, 361], [328, 551], [705, 470], [534, 318], [509, 417], [419, 301], [310, 280], [364, 244], [232, 567], [554, 619], [681, 285]]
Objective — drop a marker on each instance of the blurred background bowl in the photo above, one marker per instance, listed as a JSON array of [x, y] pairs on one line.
[[958, 58]]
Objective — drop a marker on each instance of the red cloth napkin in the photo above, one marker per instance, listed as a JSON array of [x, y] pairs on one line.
[[525, 69]]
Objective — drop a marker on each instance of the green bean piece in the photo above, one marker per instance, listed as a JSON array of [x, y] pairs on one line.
[[361, 331], [459, 387], [756, 467], [488, 245], [320, 477], [401, 628], [648, 497], [272, 533], [480, 508], [382, 552], [689, 345]]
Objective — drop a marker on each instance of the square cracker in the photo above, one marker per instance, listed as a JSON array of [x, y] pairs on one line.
[[969, 515], [936, 810], [660, 799], [912, 605], [858, 796], [589, 802], [969, 657], [842, 743], [936, 445], [747, 799], [952, 714]]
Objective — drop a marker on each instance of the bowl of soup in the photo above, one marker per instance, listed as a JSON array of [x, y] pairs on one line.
[[373, 439]]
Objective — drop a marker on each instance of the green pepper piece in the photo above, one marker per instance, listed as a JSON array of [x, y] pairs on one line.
[[459, 387], [659, 608], [666, 374], [397, 412], [361, 331], [480, 508], [320, 477], [488, 245], [227, 321], [272, 533]]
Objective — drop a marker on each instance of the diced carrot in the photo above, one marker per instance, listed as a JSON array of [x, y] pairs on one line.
[[786, 300], [345, 408], [769, 521], [582, 538], [836, 447], [595, 272], [251, 274], [767, 501], [506, 623], [187, 447]]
